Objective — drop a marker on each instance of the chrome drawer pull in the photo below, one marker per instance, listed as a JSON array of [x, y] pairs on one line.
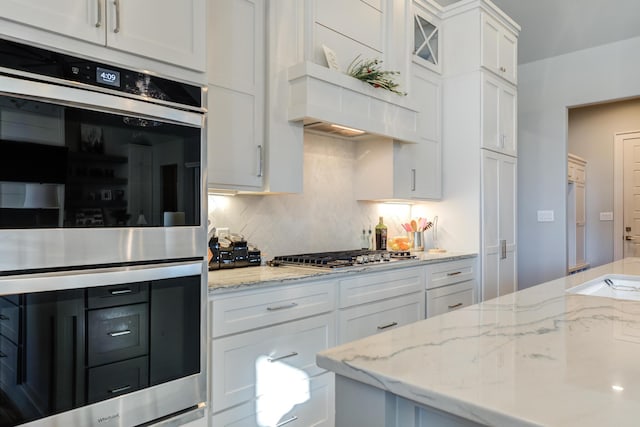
[[119, 334], [455, 305], [285, 422], [116, 3], [121, 292], [282, 307], [119, 389], [454, 274], [286, 356], [3, 317], [390, 325], [2, 355], [99, 21]]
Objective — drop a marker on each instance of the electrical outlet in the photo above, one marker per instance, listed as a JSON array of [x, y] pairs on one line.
[[606, 216], [545, 216]]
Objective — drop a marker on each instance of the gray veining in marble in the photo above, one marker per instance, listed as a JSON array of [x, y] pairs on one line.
[[536, 357]]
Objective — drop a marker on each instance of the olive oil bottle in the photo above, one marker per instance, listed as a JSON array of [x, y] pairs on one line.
[[381, 236]]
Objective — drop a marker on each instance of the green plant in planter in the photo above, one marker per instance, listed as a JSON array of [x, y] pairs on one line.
[[369, 71]]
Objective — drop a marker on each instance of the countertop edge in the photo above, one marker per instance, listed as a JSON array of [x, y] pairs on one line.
[[249, 277]]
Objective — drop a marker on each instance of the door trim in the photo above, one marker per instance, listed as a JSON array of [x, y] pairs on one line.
[[618, 196]]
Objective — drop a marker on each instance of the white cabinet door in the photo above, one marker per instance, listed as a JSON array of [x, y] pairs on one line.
[[499, 106], [243, 366], [317, 410], [236, 73], [369, 319], [498, 224], [165, 30], [499, 49], [449, 298], [82, 19]]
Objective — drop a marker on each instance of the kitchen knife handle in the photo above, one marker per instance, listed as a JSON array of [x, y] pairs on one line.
[[117, 5], [99, 21]]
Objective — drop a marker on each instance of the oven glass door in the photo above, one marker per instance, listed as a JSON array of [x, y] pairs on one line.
[[65, 164], [69, 348]]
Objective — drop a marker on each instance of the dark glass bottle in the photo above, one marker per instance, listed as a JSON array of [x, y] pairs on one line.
[[381, 236]]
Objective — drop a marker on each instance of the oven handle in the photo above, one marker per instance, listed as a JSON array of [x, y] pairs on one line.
[[74, 279], [85, 96]]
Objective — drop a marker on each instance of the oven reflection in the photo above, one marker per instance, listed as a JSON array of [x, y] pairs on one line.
[[279, 387]]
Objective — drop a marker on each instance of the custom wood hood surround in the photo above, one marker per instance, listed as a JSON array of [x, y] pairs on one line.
[[319, 94]]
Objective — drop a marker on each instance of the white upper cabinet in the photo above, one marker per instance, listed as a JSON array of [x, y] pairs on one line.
[[480, 36], [236, 75], [427, 40], [499, 49], [499, 115], [164, 30], [252, 146]]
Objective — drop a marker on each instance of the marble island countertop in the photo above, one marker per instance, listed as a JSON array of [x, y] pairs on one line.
[[539, 356], [239, 278]]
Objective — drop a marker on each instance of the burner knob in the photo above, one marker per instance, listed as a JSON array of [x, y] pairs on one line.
[[359, 259]]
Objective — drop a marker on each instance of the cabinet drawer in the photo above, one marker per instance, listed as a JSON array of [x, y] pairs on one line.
[[447, 273], [8, 362], [254, 363], [313, 406], [256, 309], [105, 382], [111, 296], [376, 286], [9, 321], [449, 298], [117, 333], [364, 320]]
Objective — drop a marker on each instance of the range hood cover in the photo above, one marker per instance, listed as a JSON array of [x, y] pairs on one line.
[[320, 97]]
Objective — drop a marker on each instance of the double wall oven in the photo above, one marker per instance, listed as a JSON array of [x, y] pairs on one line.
[[102, 243]]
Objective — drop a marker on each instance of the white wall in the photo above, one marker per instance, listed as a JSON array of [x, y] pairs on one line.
[[545, 89], [325, 217], [591, 136]]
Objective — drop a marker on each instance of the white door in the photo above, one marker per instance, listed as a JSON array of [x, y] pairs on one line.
[[170, 31], [631, 191], [499, 268], [82, 19]]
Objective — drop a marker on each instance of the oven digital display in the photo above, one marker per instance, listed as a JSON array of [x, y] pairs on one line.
[[108, 77]]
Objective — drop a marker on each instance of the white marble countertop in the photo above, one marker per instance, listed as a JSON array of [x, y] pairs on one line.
[[539, 356], [239, 278]]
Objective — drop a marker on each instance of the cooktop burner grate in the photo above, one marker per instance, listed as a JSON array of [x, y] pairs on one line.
[[340, 259]]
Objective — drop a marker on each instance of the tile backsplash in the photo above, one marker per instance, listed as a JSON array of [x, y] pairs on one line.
[[325, 217]]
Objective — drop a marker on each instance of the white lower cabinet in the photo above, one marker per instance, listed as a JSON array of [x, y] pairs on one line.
[[450, 286], [270, 364], [318, 410], [369, 319], [376, 302]]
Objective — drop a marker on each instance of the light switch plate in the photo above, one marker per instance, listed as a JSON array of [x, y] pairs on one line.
[[545, 216], [606, 216]]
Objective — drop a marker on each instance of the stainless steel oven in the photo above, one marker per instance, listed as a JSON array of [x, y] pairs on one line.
[[102, 243]]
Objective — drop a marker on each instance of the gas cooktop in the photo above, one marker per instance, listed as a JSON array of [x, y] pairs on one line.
[[341, 259]]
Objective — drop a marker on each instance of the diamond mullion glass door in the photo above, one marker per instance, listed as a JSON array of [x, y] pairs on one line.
[[425, 36]]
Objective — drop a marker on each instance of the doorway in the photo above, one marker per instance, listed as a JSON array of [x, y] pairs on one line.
[[626, 229]]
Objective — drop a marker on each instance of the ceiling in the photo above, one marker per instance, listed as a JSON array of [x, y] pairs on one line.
[[555, 27]]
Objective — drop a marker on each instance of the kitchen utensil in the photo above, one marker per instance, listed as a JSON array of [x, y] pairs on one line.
[[436, 249], [414, 226]]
